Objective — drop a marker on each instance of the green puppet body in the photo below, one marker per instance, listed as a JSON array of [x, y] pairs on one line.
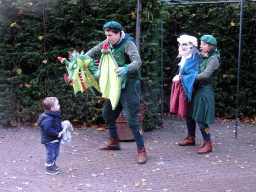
[[110, 83], [82, 72]]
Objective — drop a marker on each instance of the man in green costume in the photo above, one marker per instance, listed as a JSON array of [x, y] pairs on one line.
[[202, 106], [128, 59]]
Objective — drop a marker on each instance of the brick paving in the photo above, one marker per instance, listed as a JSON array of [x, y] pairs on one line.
[[231, 167]]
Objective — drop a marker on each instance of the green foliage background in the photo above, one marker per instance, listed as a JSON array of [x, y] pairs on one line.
[[34, 33], [221, 21]]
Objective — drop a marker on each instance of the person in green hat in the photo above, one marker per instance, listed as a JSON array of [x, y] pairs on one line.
[[126, 54], [202, 106]]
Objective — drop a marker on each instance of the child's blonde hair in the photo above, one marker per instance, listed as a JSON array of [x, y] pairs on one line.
[[48, 102]]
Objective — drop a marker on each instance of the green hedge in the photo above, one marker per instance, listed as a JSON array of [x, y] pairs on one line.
[[222, 21], [34, 34]]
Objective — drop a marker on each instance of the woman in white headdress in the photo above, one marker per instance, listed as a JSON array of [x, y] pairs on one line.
[[183, 82]]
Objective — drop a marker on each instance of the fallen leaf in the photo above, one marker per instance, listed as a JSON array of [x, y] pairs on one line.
[[40, 38], [27, 85], [137, 184], [19, 71], [240, 166], [101, 129], [133, 15]]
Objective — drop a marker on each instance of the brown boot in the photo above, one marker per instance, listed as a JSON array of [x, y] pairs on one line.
[[142, 158], [206, 148], [112, 145], [190, 140]]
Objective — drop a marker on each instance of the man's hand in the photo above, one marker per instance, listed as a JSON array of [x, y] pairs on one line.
[[121, 71]]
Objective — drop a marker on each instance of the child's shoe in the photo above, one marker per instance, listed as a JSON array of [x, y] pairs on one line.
[[55, 166], [50, 170]]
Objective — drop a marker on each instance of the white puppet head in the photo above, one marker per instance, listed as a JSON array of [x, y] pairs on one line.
[[186, 43]]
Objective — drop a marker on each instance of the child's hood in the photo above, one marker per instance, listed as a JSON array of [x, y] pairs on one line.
[[46, 114]]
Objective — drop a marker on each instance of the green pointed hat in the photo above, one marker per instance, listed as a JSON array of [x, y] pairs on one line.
[[113, 25], [209, 39]]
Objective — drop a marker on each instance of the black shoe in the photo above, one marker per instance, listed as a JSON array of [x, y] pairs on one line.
[[50, 170], [56, 167]]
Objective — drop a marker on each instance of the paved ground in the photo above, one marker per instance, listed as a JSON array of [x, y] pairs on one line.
[[231, 167]]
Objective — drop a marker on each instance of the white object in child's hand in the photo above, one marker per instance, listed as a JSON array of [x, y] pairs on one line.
[[66, 135]]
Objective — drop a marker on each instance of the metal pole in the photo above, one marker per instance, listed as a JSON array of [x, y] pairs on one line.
[[211, 2], [238, 68], [162, 72], [138, 29]]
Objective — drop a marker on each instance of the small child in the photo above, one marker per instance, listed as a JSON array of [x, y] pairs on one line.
[[51, 128]]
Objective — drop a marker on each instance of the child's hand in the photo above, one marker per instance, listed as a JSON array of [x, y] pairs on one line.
[[59, 136]]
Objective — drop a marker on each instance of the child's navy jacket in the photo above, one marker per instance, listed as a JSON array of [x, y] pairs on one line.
[[50, 124]]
